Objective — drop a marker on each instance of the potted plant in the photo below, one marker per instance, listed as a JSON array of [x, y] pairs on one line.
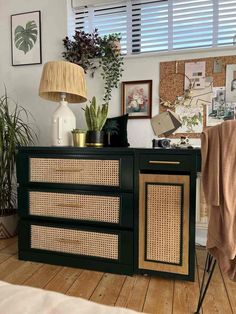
[[95, 118], [111, 63], [83, 49], [91, 51], [14, 132], [79, 137]]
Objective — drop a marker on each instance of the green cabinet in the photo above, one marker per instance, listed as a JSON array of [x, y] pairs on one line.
[[120, 210], [76, 207]]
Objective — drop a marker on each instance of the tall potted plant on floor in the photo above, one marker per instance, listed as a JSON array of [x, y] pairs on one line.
[[14, 131]]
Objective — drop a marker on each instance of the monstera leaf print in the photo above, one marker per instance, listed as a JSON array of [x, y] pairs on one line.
[[25, 38]]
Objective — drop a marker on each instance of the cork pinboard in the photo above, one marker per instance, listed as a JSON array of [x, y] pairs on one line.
[[172, 81]]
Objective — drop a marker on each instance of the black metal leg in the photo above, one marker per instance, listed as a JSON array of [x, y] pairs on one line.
[[210, 264]]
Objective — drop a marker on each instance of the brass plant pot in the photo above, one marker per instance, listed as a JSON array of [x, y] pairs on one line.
[[79, 139]]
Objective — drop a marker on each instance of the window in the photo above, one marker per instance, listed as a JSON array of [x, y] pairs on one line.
[[162, 25]]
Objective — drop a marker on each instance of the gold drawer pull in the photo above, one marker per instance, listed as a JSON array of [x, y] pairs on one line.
[[68, 170], [70, 205], [68, 241], [160, 162]]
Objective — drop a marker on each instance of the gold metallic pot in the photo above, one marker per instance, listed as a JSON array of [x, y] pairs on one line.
[[79, 137]]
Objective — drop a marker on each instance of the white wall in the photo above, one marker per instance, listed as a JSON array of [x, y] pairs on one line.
[[22, 81]]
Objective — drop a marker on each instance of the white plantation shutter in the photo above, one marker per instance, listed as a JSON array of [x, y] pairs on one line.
[[226, 21], [149, 26], [162, 25], [107, 18], [192, 23]]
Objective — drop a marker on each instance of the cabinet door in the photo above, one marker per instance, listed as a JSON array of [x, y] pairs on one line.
[[164, 223]]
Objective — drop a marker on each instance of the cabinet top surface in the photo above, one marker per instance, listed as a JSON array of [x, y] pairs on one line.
[[107, 150]]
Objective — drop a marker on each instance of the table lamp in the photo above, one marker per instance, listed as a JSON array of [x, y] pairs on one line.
[[63, 82], [165, 123]]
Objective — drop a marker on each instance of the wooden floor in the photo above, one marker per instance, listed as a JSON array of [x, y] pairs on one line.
[[141, 293]]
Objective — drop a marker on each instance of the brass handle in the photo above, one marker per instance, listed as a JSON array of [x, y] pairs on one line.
[[161, 162], [69, 205], [67, 241], [68, 169]]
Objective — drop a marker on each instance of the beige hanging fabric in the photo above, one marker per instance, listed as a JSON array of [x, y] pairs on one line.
[[219, 186]]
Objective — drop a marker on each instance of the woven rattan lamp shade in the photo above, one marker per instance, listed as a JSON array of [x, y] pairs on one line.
[[63, 77]]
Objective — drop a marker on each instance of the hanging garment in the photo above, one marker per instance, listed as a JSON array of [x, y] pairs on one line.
[[219, 185]]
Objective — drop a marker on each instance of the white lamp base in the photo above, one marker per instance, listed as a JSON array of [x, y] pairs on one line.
[[63, 122]]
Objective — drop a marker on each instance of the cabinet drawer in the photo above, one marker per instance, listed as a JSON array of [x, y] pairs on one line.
[[83, 242], [92, 171], [75, 171], [79, 242], [111, 208], [166, 162]]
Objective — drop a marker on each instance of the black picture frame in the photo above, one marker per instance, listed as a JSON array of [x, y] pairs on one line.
[[26, 50]]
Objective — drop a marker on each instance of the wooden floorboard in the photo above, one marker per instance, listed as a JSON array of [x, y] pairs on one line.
[[231, 291], [149, 294], [137, 294], [43, 276], [184, 297], [85, 284], [22, 273], [108, 289], [159, 296], [63, 280]]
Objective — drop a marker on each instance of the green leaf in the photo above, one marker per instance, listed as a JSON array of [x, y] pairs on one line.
[[25, 38], [15, 131]]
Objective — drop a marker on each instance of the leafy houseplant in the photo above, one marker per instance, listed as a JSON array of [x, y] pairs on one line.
[[85, 48], [111, 63], [95, 118], [14, 132]]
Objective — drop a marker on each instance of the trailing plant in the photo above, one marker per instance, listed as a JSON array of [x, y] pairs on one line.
[[95, 115], [85, 48], [111, 63], [14, 132]]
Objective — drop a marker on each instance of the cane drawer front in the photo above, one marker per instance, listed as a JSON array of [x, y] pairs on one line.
[[116, 172], [83, 242], [79, 242], [75, 171], [111, 208], [169, 162]]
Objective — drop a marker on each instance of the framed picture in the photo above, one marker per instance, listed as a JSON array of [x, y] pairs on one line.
[[137, 99], [231, 83], [26, 38]]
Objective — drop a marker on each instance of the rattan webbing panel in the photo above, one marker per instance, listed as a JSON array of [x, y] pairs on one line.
[[75, 206], [75, 171], [164, 223], [75, 241]]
